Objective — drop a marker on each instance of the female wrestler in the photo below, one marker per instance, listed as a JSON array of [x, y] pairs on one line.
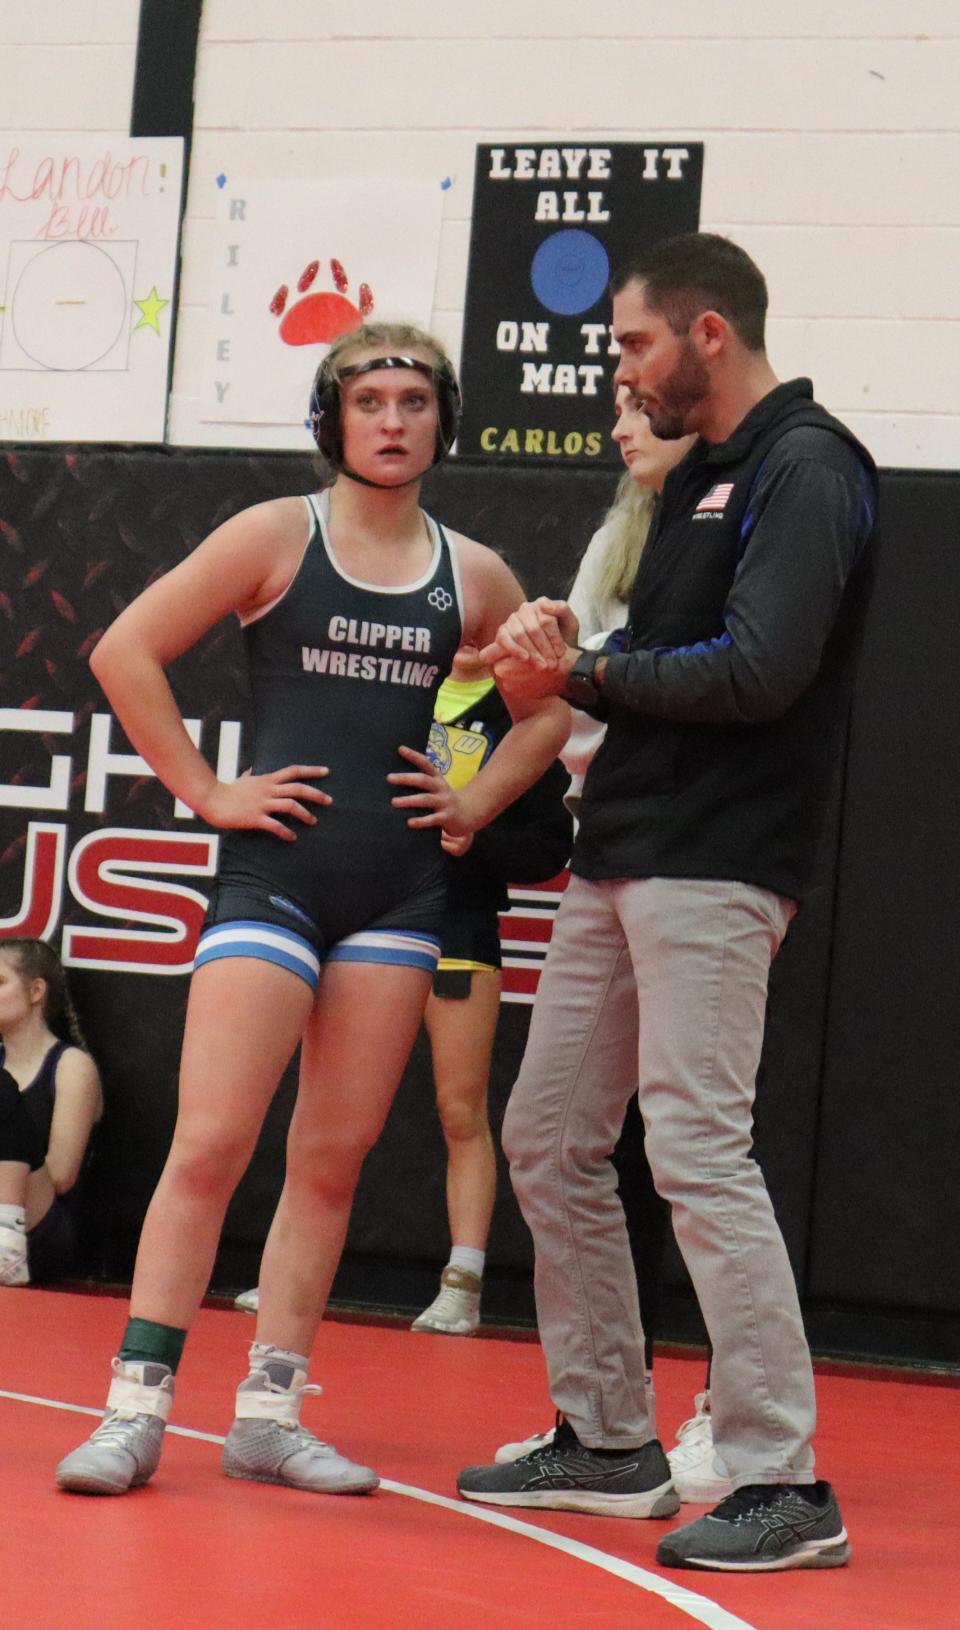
[[324, 920], [50, 1102], [529, 843]]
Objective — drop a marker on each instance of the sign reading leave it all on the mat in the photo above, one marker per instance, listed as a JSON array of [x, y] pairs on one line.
[[551, 222]]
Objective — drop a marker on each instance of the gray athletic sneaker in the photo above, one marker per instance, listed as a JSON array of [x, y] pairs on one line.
[[564, 1475], [123, 1452], [761, 1528], [267, 1443]]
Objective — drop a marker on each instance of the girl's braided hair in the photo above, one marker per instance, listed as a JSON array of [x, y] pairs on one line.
[[35, 959]]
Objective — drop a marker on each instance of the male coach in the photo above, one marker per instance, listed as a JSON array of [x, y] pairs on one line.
[[725, 701]]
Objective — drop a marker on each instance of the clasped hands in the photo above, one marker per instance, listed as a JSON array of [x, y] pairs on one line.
[[534, 649]]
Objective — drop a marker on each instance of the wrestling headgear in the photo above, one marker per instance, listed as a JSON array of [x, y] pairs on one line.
[[326, 419]]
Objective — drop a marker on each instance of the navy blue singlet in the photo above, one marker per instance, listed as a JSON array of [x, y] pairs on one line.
[[342, 673], [52, 1242]]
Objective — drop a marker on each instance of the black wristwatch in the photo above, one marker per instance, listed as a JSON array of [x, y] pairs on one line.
[[581, 688]]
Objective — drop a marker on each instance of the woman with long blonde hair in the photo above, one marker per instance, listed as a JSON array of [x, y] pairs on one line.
[[601, 589]]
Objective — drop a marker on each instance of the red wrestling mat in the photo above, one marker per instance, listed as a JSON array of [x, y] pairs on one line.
[[197, 1551]]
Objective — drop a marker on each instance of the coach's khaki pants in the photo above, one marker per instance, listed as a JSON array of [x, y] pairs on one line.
[[661, 981]]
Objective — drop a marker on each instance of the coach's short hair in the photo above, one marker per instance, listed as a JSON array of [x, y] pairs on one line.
[[700, 271]]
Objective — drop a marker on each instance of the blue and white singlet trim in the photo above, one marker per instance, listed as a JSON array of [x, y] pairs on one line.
[[263, 941], [285, 949], [389, 946]]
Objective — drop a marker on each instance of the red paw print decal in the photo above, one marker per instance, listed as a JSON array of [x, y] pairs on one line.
[[320, 317]]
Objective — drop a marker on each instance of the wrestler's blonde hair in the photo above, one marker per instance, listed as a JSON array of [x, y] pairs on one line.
[[627, 523]]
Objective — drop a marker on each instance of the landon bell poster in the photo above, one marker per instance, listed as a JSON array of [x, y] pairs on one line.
[[551, 223]]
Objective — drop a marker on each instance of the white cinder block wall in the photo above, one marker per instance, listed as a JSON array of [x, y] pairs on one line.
[[831, 129], [832, 135], [67, 65]]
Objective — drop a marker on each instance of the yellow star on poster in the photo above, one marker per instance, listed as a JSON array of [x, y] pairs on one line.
[[150, 308]]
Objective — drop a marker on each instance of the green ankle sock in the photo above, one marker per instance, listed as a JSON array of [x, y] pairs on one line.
[[147, 1343]]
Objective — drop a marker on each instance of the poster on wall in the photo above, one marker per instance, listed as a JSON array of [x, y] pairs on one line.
[[89, 233], [551, 222], [295, 265]]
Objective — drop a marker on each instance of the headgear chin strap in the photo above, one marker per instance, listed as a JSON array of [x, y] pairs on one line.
[[326, 412]]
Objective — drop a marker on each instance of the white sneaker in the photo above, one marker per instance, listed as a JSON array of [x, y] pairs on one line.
[[456, 1310], [248, 1301], [509, 1452], [123, 1453], [699, 1476], [13, 1255], [267, 1443]]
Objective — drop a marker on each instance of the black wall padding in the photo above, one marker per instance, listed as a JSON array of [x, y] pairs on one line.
[[885, 1226], [166, 65]]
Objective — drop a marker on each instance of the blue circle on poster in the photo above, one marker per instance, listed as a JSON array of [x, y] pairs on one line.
[[570, 272]]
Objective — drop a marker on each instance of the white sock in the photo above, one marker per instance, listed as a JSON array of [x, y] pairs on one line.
[[468, 1258], [16, 1217]]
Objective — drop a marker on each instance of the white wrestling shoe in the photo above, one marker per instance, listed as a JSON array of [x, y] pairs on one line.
[[509, 1452], [248, 1301], [697, 1470], [124, 1451], [455, 1311], [13, 1255], [267, 1443]]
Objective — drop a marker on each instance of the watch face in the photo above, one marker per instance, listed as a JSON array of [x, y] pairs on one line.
[[580, 687], [581, 692]]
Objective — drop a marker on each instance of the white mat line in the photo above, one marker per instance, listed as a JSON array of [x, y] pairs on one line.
[[696, 1607], [704, 1612]]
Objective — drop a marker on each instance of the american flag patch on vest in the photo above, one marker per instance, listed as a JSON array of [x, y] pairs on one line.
[[716, 498]]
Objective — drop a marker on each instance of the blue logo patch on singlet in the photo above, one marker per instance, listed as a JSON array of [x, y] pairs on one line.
[[288, 905]]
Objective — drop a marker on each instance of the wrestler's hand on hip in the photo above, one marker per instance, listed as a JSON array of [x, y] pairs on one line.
[[432, 795], [257, 800], [539, 632]]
